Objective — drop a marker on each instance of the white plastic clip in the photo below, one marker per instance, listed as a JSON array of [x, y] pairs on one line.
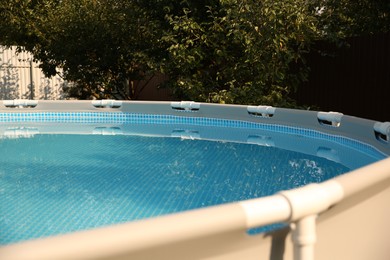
[[382, 131], [107, 103], [330, 118], [185, 105], [20, 103], [264, 111]]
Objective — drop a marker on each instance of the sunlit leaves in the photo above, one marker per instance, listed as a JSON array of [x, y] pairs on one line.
[[242, 53], [228, 51], [98, 44]]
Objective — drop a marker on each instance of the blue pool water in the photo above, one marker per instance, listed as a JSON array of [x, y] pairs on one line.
[[54, 184]]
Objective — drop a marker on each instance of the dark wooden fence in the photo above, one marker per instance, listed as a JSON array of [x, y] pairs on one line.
[[354, 81], [149, 89]]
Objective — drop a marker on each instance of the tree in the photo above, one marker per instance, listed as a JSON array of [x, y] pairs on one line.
[[226, 51], [338, 19], [99, 45], [243, 52]]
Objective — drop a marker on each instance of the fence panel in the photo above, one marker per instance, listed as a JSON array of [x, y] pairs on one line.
[[353, 81], [21, 78]]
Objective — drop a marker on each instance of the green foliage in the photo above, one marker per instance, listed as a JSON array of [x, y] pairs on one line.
[[244, 52], [107, 44], [99, 45], [338, 19], [225, 51]]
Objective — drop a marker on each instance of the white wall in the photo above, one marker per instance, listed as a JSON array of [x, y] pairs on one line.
[[15, 78]]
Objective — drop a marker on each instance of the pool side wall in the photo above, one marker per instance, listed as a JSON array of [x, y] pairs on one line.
[[356, 227], [352, 127]]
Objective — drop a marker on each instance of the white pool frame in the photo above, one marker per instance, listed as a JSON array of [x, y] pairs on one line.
[[346, 217]]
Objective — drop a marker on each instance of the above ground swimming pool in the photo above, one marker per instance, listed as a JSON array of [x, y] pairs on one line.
[[71, 166]]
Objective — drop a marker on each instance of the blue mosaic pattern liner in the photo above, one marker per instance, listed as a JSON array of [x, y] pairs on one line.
[[136, 118], [57, 184], [77, 182]]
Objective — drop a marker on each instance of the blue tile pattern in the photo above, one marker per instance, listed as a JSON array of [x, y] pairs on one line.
[[56, 184], [137, 118]]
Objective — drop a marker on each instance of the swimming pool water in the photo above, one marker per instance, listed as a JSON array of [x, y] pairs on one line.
[[54, 184]]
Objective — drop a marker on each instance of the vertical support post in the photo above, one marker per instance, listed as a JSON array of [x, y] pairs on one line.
[[304, 238], [31, 80]]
